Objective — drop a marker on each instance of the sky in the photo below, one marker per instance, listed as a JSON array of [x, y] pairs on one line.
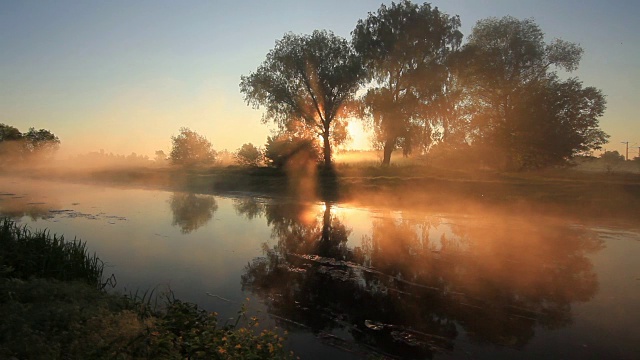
[[125, 76]]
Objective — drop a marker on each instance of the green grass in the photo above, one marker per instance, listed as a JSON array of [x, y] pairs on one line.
[[53, 305], [25, 253]]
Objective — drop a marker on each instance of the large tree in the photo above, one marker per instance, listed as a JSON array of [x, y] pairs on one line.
[[307, 79], [524, 114], [405, 48]]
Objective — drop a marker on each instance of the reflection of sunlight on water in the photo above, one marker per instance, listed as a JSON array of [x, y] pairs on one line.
[[488, 277]]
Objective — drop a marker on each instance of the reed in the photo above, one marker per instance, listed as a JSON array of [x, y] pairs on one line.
[[25, 254]]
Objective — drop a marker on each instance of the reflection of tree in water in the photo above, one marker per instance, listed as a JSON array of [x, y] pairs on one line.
[[403, 292], [250, 207], [191, 211]]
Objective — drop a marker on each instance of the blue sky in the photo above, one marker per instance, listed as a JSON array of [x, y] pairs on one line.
[[124, 76]]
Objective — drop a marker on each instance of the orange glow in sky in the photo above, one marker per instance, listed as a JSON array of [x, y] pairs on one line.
[[125, 76]]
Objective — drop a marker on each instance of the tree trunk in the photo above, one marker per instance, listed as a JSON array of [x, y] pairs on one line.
[[389, 146], [327, 149]]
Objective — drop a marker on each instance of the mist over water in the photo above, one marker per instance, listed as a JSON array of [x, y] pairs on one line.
[[348, 280]]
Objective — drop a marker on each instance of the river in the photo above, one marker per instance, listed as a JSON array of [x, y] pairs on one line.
[[350, 281]]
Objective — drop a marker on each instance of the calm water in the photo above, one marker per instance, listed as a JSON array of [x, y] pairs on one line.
[[351, 281]]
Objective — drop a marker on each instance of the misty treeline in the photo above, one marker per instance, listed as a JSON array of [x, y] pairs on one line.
[[16, 146], [191, 149], [495, 100]]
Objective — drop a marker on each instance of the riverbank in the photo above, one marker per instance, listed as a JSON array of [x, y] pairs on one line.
[[54, 306]]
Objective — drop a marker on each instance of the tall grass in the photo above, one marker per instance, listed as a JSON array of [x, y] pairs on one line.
[[25, 254], [48, 311]]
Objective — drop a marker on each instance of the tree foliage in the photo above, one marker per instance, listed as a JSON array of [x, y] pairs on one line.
[[248, 155], [405, 48], [523, 113], [9, 133], [160, 157], [17, 146], [279, 149], [190, 148], [612, 157], [308, 79], [40, 141]]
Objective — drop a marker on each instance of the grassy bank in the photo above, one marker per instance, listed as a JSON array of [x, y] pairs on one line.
[[53, 306]]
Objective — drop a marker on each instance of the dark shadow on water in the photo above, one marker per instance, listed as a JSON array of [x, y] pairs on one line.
[[407, 293]]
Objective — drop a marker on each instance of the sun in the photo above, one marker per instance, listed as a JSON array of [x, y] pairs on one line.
[[359, 136]]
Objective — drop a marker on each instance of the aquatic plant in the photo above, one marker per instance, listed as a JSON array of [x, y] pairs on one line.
[[25, 254], [53, 305]]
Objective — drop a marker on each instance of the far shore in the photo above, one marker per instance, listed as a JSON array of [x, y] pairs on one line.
[[563, 191]]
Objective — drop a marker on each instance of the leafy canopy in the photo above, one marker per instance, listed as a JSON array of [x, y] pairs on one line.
[[305, 78], [248, 155], [190, 148], [522, 110], [405, 48]]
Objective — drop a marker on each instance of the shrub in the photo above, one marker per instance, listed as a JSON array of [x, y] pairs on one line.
[[190, 148], [248, 155], [279, 149]]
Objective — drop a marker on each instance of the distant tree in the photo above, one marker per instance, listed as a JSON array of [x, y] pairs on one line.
[[280, 148], [611, 159], [523, 111], [10, 143], [405, 48], [190, 148], [160, 157], [19, 146], [40, 141], [248, 155], [9, 133], [306, 78]]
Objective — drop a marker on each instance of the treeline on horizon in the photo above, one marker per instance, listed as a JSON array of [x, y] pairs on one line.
[[495, 101]]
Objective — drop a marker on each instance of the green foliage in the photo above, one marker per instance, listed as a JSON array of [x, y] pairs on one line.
[[16, 146], [186, 332], [248, 155], [25, 254], [279, 149], [46, 318], [521, 109], [306, 78], [406, 48], [9, 133], [40, 141], [49, 319], [191, 149]]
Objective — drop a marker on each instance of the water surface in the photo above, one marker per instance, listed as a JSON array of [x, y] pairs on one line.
[[349, 281]]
